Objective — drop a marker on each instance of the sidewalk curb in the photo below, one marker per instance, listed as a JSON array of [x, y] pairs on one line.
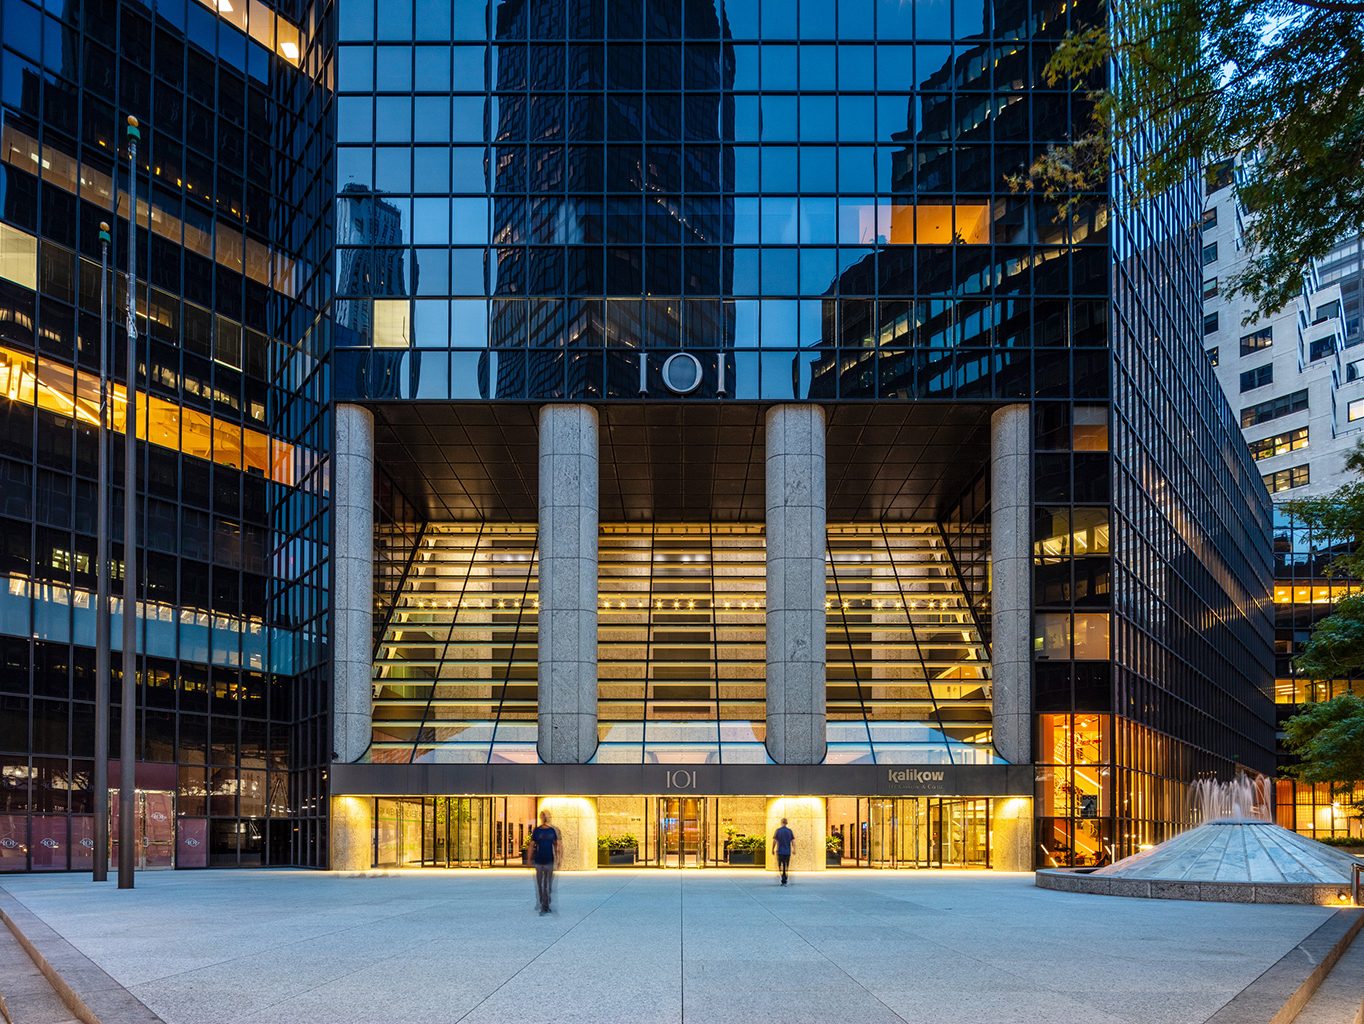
[[1278, 995], [88, 992]]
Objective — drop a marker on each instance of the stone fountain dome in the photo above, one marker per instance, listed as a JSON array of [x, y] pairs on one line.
[[1236, 842], [1246, 850], [1234, 852]]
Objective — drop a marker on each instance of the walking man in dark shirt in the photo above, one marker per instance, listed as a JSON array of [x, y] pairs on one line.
[[782, 841], [546, 849]]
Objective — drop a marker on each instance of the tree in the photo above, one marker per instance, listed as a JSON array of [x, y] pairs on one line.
[[1328, 739], [1195, 81]]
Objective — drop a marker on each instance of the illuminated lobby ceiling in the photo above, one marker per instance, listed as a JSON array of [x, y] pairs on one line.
[[901, 462]]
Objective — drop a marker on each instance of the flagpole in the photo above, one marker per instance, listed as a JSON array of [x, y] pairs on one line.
[[102, 631], [127, 762]]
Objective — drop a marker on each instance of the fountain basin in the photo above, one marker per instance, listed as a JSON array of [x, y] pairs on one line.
[[1234, 860], [1084, 880]]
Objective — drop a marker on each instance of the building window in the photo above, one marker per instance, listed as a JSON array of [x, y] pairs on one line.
[[19, 257], [1257, 378], [1279, 444], [1063, 636], [1286, 479], [1356, 410], [392, 323], [1321, 348], [1219, 176], [1209, 287], [1354, 370], [1257, 340], [1209, 253], [1210, 218], [1089, 429], [1213, 354], [1284, 405], [1327, 312], [1210, 323]]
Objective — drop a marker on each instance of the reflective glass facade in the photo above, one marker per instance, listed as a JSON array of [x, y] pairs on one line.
[[230, 704], [1303, 595], [813, 205]]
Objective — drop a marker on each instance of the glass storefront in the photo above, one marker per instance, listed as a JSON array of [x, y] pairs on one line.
[[909, 832], [451, 832], [686, 831]]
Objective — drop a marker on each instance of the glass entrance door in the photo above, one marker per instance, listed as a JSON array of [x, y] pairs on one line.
[[963, 833], [914, 832], [153, 828], [681, 831]]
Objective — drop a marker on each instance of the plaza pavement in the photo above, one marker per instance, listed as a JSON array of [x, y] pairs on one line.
[[637, 946]]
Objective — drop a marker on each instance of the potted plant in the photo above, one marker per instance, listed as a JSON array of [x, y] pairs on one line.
[[617, 850], [833, 850], [746, 850]]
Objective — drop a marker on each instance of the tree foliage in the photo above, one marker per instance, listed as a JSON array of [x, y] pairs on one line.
[[1194, 81], [1328, 739]]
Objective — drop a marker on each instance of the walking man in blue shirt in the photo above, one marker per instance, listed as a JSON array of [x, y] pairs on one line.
[[545, 849], [782, 841]]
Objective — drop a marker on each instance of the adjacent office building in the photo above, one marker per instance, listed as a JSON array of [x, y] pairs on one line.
[[663, 414], [1298, 379]]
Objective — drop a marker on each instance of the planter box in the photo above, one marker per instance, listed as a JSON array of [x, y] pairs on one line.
[[747, 858], [833, 860], [616, 858]]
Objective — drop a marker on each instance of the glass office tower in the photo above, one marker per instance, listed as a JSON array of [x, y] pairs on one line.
[[732, 440], [670, 418], [232, 688]]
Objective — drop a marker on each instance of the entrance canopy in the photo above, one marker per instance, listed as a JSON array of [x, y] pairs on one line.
[[669, 461]]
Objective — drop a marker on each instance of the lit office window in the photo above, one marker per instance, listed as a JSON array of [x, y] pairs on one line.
[[1356, 409], [1287, 479], [18, 257], [1089, 431], [1279, 444], [1257, 340], [392, 323], [1061, 636]]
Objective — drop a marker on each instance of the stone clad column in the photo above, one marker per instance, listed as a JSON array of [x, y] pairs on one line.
[[353, 586], [796, 541], [352, 833], [806, 817], [1011, 580], [576, 819], [568, 584]]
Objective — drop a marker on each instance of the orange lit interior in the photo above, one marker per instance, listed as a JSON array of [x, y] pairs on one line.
[[940, 225], [1315, 593], [75, 393]]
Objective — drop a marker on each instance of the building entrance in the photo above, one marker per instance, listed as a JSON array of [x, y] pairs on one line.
[[911, 832], [153, 828], [682, 832], [451, 832]]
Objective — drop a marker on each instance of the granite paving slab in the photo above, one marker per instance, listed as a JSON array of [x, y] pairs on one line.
[[466, 947]]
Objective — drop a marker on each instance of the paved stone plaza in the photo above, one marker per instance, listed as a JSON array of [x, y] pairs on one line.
[[645, 946]]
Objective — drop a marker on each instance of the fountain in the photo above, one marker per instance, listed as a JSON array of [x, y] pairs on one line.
[[1232, 852]]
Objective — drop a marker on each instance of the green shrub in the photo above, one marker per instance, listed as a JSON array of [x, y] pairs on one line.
[[1350, 841], [622, 842], [744, 841]]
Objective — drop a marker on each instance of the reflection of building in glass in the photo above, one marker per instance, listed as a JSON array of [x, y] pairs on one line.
[[587, 280], [369, 261]]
